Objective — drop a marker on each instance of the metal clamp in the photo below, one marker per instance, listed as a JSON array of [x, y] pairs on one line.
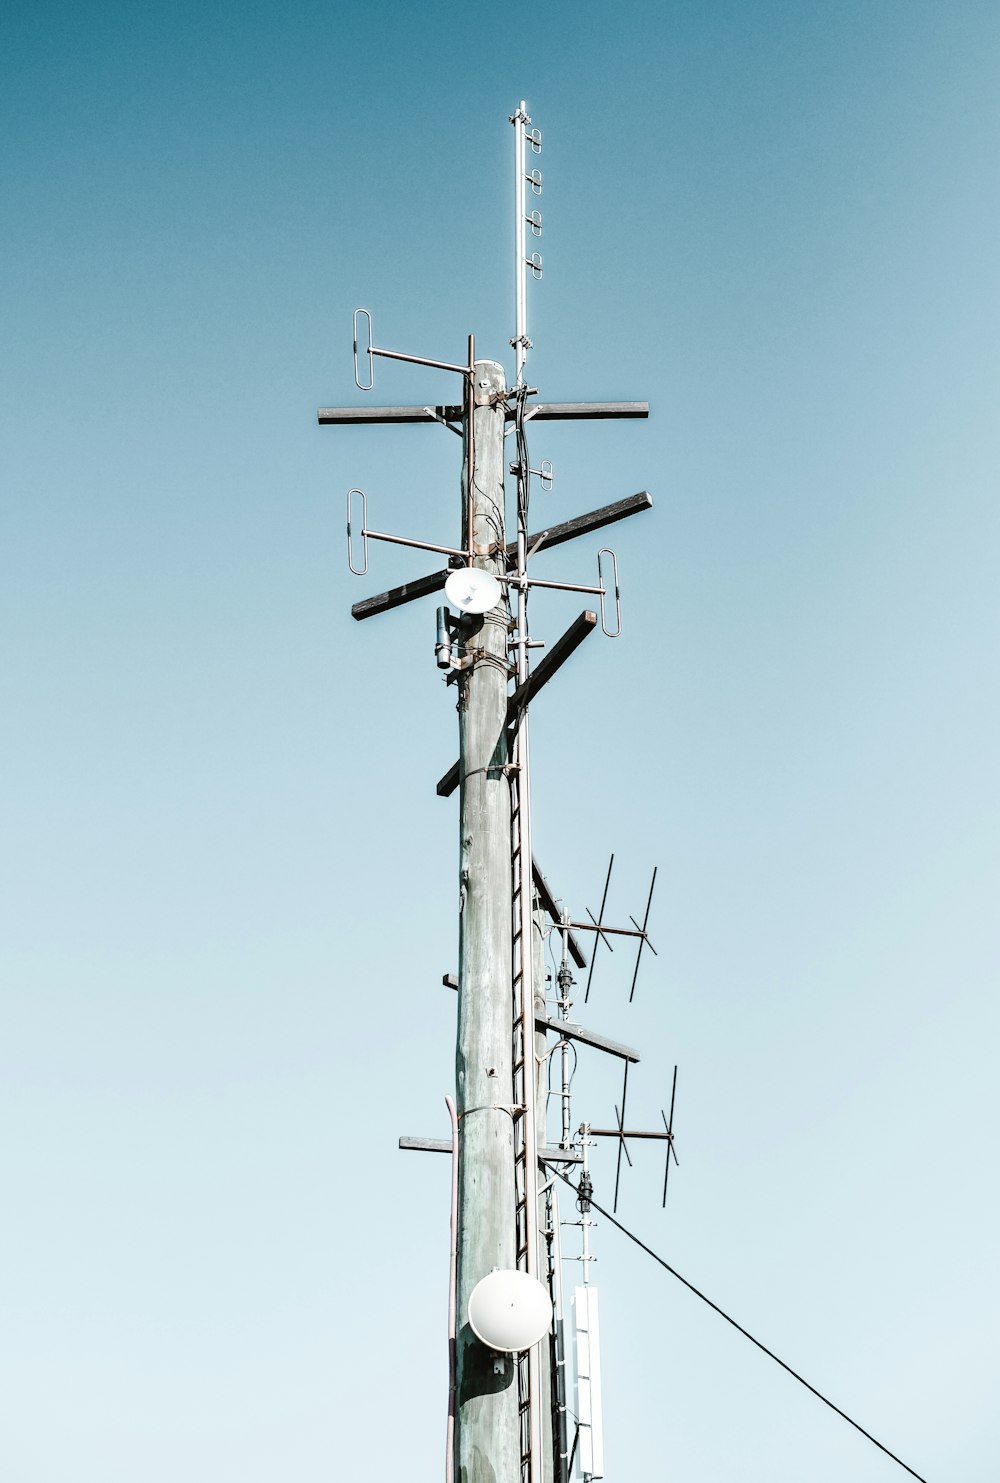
[[371, 358], [607, 551], [358, 571], [544, 474]]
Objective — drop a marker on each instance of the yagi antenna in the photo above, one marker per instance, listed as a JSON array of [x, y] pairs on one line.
[[622, 1134], [604, 932]]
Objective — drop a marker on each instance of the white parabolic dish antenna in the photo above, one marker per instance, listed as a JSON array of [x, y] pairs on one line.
[[509, 1311], [472, 590]]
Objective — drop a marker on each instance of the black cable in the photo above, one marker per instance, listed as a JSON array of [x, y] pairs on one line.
[[740, 1329], [576, 1438]]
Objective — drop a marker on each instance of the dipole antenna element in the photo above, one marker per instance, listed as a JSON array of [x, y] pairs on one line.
[[621, 1133], [524, 221]]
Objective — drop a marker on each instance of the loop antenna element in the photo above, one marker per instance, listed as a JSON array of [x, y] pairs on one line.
[[609, 633], [359, 571]]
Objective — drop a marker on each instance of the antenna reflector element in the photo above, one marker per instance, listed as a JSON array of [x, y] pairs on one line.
[[509, 1311], [472, 590]]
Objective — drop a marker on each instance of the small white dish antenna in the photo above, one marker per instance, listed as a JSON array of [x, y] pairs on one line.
[[509, 1311], [472, 590]]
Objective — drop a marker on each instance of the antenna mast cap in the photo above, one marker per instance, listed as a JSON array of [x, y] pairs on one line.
[[509, 1311]]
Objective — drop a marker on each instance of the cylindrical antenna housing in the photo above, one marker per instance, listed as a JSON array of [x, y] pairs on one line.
[[442, 648]]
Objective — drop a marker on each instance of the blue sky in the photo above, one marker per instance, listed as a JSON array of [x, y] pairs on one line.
[[229, 886]]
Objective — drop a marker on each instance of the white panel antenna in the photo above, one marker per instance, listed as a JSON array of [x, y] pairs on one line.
[[590, 1448]]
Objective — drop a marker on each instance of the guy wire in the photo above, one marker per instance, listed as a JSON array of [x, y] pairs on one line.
[[739, 1327]]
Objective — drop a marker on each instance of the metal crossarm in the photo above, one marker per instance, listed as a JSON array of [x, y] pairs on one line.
[[553, 535], [529, 688], [541, 412]]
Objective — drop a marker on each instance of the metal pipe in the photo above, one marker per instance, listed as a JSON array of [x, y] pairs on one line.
[[421, 360], [603, 927], [527, 1027], [470, 456], [565, 981], [545, 1392], [527, 1008], [564, 586], [585, 1220], [381, 535], [449, 1466], [624, 1133], [516, 581], [562, 1444]]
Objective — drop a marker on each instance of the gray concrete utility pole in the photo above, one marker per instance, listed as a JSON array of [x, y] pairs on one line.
[[487, 1433]]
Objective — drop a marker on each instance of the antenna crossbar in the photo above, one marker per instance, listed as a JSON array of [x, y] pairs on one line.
[[395, 597], [381, 535], [581, 525], [571, 1031], [629, 1133], [587, 1037], [444, 1145], [530, 686], [603, 928], [422, 360], [543, 412], [553, 535], [548, 902]]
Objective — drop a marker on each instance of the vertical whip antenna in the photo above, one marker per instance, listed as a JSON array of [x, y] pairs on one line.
[[523, 138]]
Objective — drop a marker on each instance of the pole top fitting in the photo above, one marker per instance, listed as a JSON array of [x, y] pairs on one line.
[[489, 382]]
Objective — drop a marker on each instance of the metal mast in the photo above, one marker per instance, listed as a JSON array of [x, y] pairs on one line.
[[507, 1408]]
